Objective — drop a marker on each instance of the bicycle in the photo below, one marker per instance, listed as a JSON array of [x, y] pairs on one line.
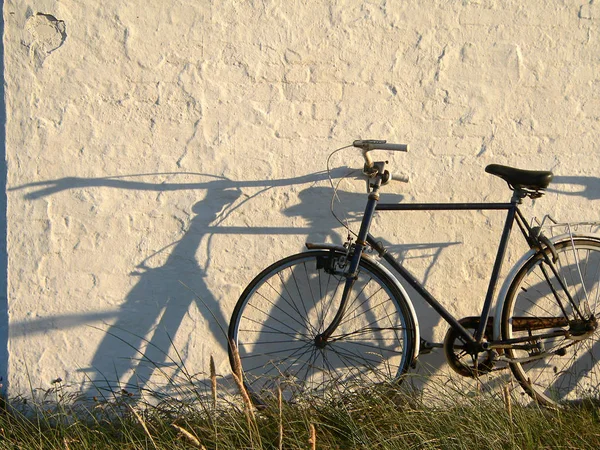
[[334, 315]]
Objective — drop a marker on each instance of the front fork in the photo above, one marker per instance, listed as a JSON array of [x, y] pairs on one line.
[[352, 273]]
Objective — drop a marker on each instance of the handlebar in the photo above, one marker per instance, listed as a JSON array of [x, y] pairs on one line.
[[372, 144], [368, 145]]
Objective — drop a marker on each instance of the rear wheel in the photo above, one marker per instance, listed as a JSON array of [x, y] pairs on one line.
[[283, 310], [558, 313]]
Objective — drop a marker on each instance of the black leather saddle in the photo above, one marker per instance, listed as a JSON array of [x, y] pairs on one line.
[[525, 180]]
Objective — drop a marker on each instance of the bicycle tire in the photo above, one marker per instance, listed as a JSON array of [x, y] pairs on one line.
[[564, 369], [281, 311]]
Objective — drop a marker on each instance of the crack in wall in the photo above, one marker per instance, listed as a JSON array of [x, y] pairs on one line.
[[48, 34]]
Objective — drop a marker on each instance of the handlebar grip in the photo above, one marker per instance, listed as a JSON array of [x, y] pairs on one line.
[[372, 144], [393, 147], [402, 178]]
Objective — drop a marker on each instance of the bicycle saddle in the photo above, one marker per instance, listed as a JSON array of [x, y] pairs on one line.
[[533, 180]]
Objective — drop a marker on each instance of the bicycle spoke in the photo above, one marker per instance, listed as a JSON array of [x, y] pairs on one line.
[[362, 331], [302, 324], [333, 296], [274, 352], [312, 295], [292, 304], [262, 323], [301, 298], [308, 364], [350, 312], [365, 301], [375, 347], [358, 359], [270, 362]]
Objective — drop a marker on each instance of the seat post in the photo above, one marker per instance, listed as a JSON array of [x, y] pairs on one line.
[[518, 196]]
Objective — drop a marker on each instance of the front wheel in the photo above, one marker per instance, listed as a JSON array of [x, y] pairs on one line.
[[556, 313], [283, 310]]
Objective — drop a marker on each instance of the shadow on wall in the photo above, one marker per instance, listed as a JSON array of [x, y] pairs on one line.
[[586, 187], [137, 341], [3, 204], [162, 296]]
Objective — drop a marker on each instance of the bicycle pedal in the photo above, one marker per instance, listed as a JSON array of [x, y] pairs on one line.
[[427, 347]]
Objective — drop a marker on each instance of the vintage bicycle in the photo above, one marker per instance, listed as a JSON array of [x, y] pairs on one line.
[[335, 316]]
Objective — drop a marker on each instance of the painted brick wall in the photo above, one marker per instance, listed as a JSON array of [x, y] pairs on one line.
[[159, 153]]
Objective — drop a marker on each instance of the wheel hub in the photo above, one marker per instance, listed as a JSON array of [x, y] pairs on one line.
[[320, 341], [582, 329], [584, 326]]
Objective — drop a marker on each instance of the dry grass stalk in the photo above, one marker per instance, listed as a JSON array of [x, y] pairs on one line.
[[238, 377], [313, 437], [507, 400], [213, 381], [189, 436], [142, 423], [280, 404], [247, 402]]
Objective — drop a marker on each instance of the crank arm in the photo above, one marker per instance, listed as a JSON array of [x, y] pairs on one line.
[[427, 347]]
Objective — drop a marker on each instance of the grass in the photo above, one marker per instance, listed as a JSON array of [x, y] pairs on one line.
[[378, 417], [219, 415]]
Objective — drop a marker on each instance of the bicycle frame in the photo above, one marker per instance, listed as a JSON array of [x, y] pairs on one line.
[[512, 213], [364, 238]]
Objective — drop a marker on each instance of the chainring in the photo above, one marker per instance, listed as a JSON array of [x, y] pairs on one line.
[[461, 361]]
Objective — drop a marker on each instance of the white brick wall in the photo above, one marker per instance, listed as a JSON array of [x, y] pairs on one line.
[[141, 146]]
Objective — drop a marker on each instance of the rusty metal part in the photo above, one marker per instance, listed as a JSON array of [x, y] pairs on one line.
[[538, 323]]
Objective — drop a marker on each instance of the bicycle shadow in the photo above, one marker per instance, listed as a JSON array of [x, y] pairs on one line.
[[151, 313], [154, 309], [136, 344], [587, 187]]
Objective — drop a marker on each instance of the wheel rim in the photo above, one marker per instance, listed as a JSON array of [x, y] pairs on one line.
[[282, 314], [570, 368]]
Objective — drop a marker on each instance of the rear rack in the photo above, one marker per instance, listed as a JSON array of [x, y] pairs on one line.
[[555, 228]]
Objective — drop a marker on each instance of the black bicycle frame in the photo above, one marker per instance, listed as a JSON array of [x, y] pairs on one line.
[[364, 239], [512, 213]]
